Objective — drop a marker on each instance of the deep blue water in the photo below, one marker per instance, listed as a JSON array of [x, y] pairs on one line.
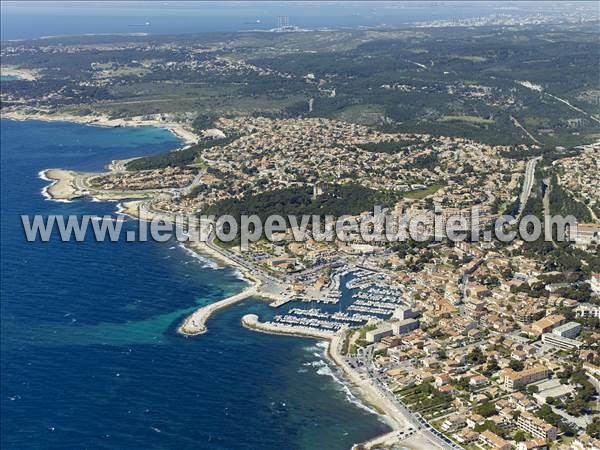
[[29, 19], [89, 353]]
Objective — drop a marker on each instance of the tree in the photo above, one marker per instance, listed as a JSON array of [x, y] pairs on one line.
[[520, 436], [533, 389], [515, 365], [476, 356], [486, 409], [593, 429]]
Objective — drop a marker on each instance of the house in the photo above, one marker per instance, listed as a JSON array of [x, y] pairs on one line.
[[475, 420], [547, 324], [519, 355], [522, 402], [423, 375], [441, 380], [478, 381], [447, 389], [454, 423], [494, 441], [466, 437], [536, 444]]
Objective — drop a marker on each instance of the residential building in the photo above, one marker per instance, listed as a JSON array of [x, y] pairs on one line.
[[560, 342], [568, 330], [463, 324], [515, 380], [595, 283], [391, 341], [404, 326], [454, 423], [403, 313], [586, 310], [537, 427], [547, 324], [494, 441], [466, 437], [587, 234], [378, 333], [535, 444]]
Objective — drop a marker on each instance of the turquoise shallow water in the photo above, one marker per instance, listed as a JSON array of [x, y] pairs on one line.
[[89, 353]]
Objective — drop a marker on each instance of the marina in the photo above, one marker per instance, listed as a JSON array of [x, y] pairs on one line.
[[361, 297]]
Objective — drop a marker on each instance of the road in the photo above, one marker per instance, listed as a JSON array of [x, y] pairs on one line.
[[527, 184], [362, 364], [524, 130]]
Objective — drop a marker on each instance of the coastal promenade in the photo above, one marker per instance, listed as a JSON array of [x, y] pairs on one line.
[[407, 430], [266, 285]]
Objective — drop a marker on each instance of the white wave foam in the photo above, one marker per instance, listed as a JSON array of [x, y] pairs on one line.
[[102, 219], [42, 176], [237, 273], [322, 344], [205, 262], [325, 369], [354, 400], [350, 397], [317, 363], [311, 348]]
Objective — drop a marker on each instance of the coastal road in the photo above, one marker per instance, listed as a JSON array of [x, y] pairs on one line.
[[387, 400]]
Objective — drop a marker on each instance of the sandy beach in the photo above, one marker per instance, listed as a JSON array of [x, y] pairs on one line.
[[365, 387], [251, 321]]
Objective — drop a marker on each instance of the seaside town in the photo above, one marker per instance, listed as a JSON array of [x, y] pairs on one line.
[[465, 344], [473, 344]]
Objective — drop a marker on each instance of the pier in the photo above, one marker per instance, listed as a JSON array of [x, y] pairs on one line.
[[251, 321], [195, 323]]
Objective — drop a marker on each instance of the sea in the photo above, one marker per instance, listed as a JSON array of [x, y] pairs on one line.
[[34, 19], [90, 357]]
